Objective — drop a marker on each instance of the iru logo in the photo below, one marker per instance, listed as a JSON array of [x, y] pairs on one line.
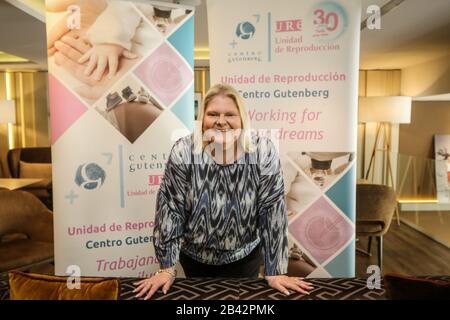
[[288, 25], [155, 180], [90, 176], [245, 30]]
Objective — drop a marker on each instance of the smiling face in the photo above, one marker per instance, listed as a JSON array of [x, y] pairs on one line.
[[222, 121]]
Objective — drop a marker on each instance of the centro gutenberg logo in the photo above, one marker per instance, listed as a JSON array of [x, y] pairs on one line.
[[90, 176], [245, 30]]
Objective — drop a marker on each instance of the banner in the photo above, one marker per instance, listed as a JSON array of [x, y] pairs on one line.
[[296, 65], [121, 92]]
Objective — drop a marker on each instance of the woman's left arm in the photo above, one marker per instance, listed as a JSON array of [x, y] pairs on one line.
[[273, 222], [272, 214]]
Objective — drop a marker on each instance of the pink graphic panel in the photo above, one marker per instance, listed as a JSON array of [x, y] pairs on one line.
[[65, 108], [321, 230], [165, 74]]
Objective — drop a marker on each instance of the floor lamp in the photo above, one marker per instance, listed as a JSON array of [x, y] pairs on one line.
[[8, 117], [384, 111]]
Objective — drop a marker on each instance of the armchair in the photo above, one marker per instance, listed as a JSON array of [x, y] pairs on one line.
[[26, 231], [33, 163], [375, 206]]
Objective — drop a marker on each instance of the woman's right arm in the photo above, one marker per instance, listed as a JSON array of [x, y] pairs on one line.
[[170, 213], [170, 218]]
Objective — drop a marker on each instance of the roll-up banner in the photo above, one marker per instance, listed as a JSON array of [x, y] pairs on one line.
[[296, 63], [121, 92]]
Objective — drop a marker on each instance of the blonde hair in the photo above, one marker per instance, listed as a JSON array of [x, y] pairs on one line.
[[228, 91]]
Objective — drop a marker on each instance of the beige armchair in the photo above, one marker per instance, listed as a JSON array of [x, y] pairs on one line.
[[33, 163], [375, 206], [26, 231]]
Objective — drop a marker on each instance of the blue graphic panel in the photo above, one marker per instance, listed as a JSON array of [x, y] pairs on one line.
[[343, 265], [184, 108], [343, 193], [183, 40]]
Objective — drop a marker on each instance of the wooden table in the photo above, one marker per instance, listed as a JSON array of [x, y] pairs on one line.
[[18, 183]]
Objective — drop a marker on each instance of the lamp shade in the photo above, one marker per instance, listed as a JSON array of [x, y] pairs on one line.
[[7, 111], [394, 109]]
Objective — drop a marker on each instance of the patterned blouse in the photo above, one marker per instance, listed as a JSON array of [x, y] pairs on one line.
[[217, 214]]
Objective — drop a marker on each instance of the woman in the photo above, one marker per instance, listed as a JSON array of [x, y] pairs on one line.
[[221, 203]]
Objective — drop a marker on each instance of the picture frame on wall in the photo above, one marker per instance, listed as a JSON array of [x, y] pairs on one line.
[[442, 157], [198, 96]]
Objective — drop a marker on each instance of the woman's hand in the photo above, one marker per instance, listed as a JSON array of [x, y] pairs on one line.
[[283, 283], [149, 286]]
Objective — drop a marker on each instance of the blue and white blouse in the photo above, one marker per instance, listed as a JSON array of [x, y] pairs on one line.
[[217, 214]]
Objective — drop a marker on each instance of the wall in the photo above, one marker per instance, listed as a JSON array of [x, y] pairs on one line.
[[29, 90], [201, 80], [428, 118], [377, 83], [426, 79], [417, 148]]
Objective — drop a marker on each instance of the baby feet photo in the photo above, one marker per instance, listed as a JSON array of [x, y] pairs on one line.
[[112, 101], [128, 94], [143, 96]]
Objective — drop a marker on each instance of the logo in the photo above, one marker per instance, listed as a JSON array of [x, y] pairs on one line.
[[243, 50], [74, 276], [155, 180], [245, 30], [374, 280], [288, 25], [323, 233], [90, 176], [329, 20]]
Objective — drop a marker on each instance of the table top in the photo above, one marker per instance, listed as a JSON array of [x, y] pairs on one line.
[[245, 289], [258, 289], [18, 183]]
